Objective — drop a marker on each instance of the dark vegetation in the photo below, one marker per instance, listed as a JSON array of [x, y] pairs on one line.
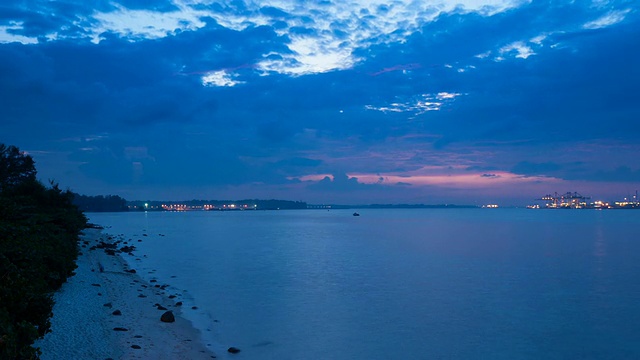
[[39, 230], [109, 203]]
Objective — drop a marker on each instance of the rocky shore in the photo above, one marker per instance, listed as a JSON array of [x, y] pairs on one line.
[[106, 311]]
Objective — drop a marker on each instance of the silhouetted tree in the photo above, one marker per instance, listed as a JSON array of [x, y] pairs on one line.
[[39, 232], [100, 203], [15, 167]]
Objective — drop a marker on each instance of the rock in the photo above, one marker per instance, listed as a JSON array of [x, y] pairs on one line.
[[142, 296], [120, 329], [168, 317], [179, 303], [107, 305], [98, 285], [135, 347], [194, 307], [233, 350], [172, 296], [160, 307], [117, 312], [127, 249]]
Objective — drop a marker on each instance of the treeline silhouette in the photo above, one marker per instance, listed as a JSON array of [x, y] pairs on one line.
[[100, 203], [39, 233]]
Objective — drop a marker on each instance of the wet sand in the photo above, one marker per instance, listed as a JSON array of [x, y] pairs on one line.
[[84, 326]]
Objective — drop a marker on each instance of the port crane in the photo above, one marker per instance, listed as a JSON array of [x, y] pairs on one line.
[[568, 200]]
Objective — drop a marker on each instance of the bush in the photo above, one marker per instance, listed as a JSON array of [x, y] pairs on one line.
[[39, 232]]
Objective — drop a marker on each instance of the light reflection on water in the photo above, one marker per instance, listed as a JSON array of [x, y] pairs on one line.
[[410, 284]]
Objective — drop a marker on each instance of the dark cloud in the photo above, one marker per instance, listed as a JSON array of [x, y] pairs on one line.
[[620, 174], [579, 86], [151, 5], [339, 183], [536, 169], [299, 162]]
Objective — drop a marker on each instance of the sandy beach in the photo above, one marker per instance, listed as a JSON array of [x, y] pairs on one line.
[[106, 311]]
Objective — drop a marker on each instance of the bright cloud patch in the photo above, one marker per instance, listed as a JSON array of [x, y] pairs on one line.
[[418, 106], [219, 78], [332, 31], [339, 29], [609, 19], [521, 50], [7, 35], [310, 56], [146, 24]]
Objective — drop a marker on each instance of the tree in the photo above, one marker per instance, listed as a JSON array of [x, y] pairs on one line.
[[15, 167], [39, 233]]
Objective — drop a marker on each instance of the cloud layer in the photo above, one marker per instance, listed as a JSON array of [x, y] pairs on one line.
[[410, 101]]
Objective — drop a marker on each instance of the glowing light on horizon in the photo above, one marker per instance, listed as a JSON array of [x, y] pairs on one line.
[[446, 177]]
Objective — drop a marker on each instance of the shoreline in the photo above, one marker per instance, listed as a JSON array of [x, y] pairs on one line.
[[85, 322]]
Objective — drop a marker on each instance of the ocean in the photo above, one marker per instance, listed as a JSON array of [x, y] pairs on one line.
[[399, 283]]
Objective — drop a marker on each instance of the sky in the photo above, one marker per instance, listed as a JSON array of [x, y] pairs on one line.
[[327, 101]]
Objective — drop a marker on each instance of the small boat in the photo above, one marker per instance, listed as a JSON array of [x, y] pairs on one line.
[[356, 214]]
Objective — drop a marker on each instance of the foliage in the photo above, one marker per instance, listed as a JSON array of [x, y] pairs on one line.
[[15, 168], [100, 203], [39, 230]]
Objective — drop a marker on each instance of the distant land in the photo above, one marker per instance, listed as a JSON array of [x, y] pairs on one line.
[[273, 204], [114, 203]]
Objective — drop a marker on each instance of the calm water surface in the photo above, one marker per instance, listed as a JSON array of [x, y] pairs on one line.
[[400, 284]]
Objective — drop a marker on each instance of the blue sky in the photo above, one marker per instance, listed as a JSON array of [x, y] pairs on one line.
[[350, 101]]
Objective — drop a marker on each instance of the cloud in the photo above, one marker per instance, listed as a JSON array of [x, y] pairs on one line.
[[417, 105], [145, 24], [536, 169], [611, 18], [519, 47], [338, 183], [220, 78], [403, 68], [8, 34], [214, 93], [620, 174], [319, 37]]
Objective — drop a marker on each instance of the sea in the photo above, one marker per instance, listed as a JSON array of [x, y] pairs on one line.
[[398, 283]]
